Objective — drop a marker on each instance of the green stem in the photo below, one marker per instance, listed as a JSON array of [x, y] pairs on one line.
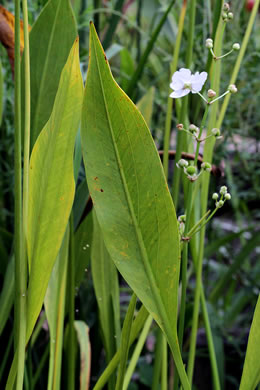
[[173, 68], [164, 374], [21, 220], [212, 354], [71, 357], [137, 352], [200, 133], [182, 136]]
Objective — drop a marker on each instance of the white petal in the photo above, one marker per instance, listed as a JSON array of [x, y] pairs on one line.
[[180, 93], [185, 75], [176, 83], [198, 80]]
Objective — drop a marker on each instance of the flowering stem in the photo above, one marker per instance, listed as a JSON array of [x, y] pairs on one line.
[[181, 137], [205, 100], [173, 68], [200, 133], [224, 55], [219, 97], [71, 284], [208, 150]]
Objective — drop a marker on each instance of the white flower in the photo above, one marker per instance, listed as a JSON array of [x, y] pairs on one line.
[[183, 82]]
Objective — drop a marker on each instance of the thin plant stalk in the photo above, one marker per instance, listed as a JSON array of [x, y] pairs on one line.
[[137, 352], [173, 68], [164, 374], [27, 116], [20, 214], [71, 356], [196, 306], [181, 138]]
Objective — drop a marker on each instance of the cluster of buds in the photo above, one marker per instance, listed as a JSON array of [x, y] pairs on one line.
[[189, 170], [221, 197], [226, 14]]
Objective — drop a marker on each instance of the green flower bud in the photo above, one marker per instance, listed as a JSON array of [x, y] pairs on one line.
[[194, 129], [227, 196], [209, 43], [206, 166], [224, 16], [215, 196], [223, 190], [236, 46], [230, 15], [182, 218], [191, 170], [219, 204]]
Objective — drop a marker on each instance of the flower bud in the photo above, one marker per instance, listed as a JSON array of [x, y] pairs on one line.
[[219, 204], [182, 218], [232, 88], [182, 163], [230, 16], [215, 196], [227, 196], [215, 132], [206, 166], [191, 170], [180, 126], [211, 93], [194, 129], [223, 190], [226, 7], [236, 46], [209, 43], [224, 16]]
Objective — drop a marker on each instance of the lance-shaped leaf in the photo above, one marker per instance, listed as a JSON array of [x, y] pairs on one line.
[[251, 371], [130, 195], [51, 183]]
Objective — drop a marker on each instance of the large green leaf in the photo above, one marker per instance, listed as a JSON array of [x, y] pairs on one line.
[[54, 33], [51, 184], [251, 371], [130, 195]]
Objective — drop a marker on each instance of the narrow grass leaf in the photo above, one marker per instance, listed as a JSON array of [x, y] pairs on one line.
[[54, 303], [130, 195], [7, 295], [251, 371], [85, 353], [125, 342], [138, 324], [51, 189], [106, 288]]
